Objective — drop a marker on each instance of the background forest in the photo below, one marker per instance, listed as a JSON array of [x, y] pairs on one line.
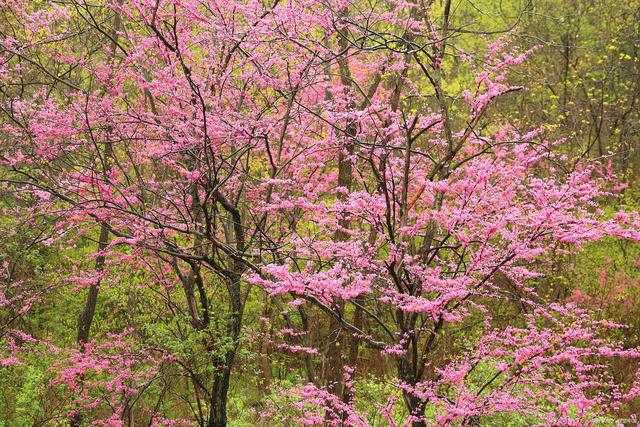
[[312, 212]]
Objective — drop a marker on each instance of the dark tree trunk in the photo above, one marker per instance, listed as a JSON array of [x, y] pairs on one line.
[[86, 317], [223, 365], [334, 363], [407, 373], [85, 320], [219, 396]]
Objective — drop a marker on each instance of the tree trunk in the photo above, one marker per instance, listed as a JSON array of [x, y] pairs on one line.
[[219, 395], [265, 362], [86, 317], [223, 365], [407, 373], [85, 320], [222, 368], [334, 363]]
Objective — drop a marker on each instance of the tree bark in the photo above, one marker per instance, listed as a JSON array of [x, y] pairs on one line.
[[86, 317], [85, 320], [223, 365], [415, 406]]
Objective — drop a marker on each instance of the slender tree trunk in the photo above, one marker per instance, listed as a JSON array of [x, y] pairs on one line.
[[334, 371], [336, 342], [223, 365], [219, 396], [306, 340], [334, 362], [86, 317], [263, 355], [220, 390], [85, 320], [414, 404]]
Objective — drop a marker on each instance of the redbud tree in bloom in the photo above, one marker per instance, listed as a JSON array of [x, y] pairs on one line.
[[311, 152]]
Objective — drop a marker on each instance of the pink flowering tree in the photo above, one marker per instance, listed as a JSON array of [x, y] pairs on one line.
[[315, 151], [109, 378]]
